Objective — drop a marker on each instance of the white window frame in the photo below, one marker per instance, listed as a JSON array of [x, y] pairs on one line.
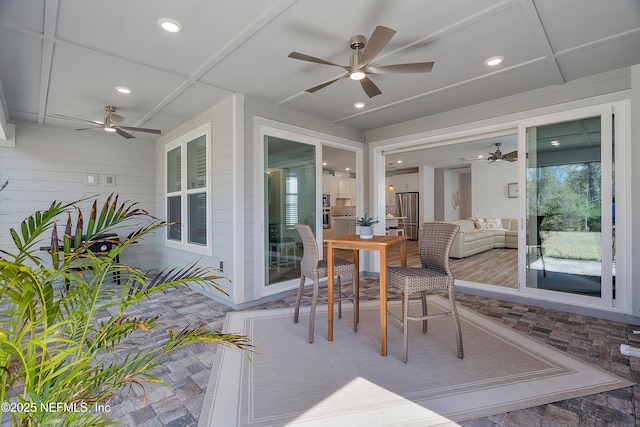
[[181, 142]]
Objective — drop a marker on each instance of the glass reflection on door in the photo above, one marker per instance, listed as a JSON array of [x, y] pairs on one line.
[[290, 198], [565, 207]]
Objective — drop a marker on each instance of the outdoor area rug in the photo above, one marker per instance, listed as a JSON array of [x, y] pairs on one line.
[[348, 383]]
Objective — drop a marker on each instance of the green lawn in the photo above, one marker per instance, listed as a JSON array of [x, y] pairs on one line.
[[572, 245]]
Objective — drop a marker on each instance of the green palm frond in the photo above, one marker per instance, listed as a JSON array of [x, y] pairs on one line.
[[79, 344]]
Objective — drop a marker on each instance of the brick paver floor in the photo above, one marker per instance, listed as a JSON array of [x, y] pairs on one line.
[[591, 339]]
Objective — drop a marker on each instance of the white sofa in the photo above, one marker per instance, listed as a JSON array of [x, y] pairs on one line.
[[470, 240]]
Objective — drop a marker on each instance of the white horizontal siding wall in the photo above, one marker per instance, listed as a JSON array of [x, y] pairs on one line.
[[50, 164], [224, 197]]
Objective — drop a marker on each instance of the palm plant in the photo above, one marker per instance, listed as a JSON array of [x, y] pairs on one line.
[[61, 321]]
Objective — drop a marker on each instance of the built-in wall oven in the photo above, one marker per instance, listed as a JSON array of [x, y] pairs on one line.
[[326, 211]]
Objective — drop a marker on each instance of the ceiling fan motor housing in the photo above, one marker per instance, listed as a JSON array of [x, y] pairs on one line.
[[357, 42]]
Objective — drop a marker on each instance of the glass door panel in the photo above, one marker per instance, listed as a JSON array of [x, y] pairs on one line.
[[290, 198], [564, 204]]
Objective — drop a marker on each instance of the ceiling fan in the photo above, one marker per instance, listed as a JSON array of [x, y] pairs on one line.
[[359, 68], [111, 123], [498, 156]]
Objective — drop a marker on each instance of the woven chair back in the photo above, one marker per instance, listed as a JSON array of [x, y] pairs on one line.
[[310, 255], [436, 239]]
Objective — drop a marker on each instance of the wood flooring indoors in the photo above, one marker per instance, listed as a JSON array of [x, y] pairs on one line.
[[498, 267]]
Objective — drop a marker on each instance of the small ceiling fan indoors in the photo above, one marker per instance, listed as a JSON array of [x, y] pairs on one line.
[[497, 156], [359, 69], [111, 123]]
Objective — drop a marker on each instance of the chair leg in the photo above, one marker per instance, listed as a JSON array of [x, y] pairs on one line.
[[402, 309], [405, 326], [298, 300], [456, 322], [425, 311], [356, 303], [339, 299], [314, 304]]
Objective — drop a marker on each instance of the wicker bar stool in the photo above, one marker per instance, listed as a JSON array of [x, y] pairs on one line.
[[436, 239], [316, 269]]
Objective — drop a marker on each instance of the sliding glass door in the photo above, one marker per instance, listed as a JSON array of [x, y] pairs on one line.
[[569, 206], [290, 198]]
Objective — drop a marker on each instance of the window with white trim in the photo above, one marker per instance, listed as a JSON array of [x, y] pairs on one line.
[[187, 190], [291, 193]]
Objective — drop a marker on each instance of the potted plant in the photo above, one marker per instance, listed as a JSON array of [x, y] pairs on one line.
[[67, 332], [366, 226]]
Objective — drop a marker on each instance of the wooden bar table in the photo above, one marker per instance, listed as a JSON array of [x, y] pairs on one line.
[[354, 242]]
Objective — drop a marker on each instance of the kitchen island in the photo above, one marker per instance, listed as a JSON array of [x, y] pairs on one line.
[[343, 225]]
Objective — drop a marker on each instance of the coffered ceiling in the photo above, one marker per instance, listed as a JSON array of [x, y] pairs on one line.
[[66, 57]]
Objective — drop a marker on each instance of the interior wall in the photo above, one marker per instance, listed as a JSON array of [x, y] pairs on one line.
[[49, 163], [427, 193], [438, 195], [451, 183], [466, 195], [489, 188]]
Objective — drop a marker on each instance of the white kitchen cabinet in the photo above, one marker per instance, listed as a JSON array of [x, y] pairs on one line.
[[326, 183], [344, 188], [354, 190], [330, 186], [406, 182]]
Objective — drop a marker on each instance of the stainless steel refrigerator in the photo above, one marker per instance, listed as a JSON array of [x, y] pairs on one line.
[[407, 206]]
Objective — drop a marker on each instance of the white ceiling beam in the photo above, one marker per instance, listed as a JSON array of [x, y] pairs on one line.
[[540, 34], [50, 22], [249, 31]]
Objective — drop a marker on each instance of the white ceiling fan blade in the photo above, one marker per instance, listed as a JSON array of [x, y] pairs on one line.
[[135, 129], [378, 41], [415, 67], [370, 87], [325, 84], [124, 134], [61, 116], [115, 119]]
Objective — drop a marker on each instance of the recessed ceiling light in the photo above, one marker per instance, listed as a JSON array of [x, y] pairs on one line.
[[399, 161], [494, 60], [346, 169], [555, 143], [359, 104], [324, 163], [170, 25], [123, 89]]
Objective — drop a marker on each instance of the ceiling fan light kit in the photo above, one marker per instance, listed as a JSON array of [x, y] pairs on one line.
[[497, 156], [358, 68], [111, 123]]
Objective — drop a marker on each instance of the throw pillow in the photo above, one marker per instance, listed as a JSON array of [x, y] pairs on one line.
[[493, 223], [481, 224]]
